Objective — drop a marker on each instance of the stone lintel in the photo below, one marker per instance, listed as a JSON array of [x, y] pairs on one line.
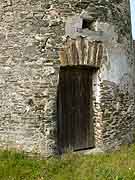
[[81, 51]]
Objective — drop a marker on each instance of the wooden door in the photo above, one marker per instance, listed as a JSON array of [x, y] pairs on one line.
[[74, 109]]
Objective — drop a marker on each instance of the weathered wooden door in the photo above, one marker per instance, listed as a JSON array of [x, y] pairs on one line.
[[74, 109]]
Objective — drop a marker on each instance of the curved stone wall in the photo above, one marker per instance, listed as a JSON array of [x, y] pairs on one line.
[[31, 34]]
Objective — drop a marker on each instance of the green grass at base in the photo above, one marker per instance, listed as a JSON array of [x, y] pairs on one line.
[[118, 165]]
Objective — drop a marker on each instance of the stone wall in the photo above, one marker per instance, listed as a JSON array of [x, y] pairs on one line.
[[113, 85], [31, 34], [114, 117], [118, 115]]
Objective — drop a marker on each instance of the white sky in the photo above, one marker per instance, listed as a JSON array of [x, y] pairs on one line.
[[133, 17]]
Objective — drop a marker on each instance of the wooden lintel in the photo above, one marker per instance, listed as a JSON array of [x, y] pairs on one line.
[[79, 67]]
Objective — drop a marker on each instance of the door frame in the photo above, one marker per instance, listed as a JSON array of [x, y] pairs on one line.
[[71, 67]]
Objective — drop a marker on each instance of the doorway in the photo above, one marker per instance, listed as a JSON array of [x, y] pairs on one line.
[[75, 129]]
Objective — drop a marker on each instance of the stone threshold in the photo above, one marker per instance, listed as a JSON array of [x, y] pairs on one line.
[[90, 151]]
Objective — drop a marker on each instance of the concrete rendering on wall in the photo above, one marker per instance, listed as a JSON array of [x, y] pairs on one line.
[[32, 35]]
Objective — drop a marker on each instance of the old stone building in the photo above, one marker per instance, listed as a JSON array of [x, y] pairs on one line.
[[66, 75]]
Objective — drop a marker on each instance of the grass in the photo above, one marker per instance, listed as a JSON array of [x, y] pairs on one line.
[[118, 165]]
